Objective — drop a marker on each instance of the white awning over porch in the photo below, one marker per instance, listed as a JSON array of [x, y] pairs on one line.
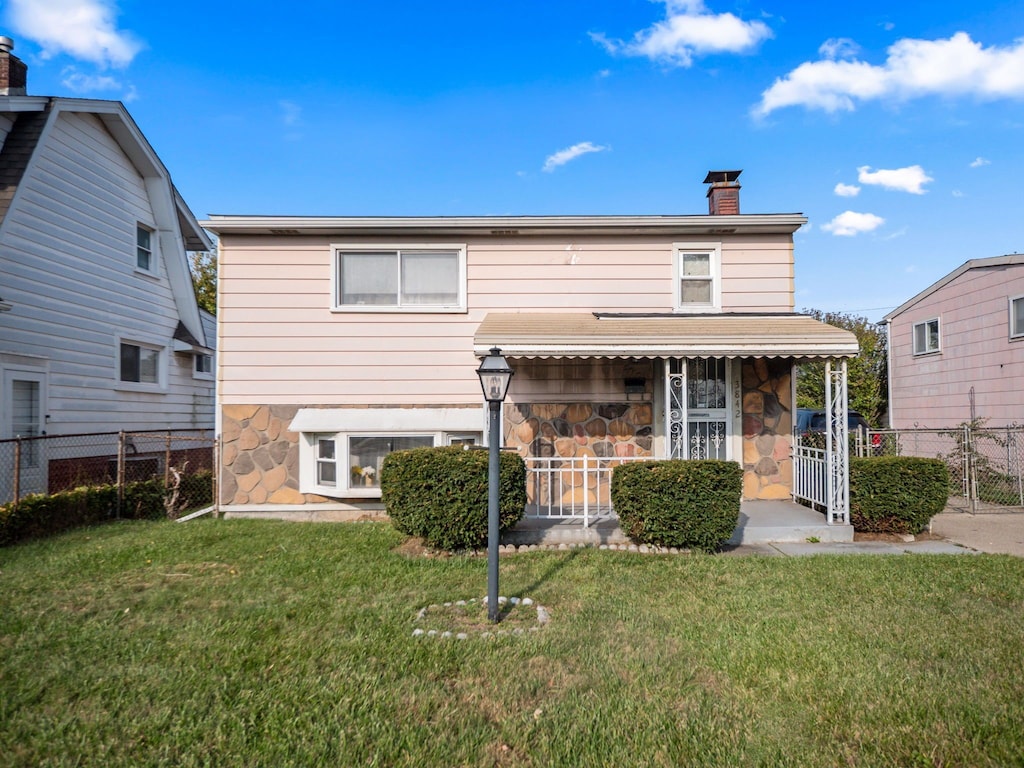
[[581, 335]]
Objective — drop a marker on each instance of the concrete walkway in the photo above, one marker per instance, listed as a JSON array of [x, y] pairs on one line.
[[1000, 533], [789, 530]]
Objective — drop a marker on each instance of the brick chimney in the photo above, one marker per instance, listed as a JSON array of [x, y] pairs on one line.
[[724, 192], [13, 70]]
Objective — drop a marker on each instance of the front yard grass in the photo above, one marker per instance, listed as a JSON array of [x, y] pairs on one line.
[[276, 644]]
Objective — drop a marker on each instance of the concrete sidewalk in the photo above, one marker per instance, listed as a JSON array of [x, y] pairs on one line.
[[798, 549], [1000, 533]]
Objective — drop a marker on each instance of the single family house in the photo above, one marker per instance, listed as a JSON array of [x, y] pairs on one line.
[[956, 349], [343, 339], [99, 326]]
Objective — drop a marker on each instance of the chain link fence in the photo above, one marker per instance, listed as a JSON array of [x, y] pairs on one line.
[[184, 460], [986, 464]]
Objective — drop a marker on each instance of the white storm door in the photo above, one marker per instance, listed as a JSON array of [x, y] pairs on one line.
[[698, 414]]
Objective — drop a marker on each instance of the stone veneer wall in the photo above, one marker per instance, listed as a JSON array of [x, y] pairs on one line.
[[260, 456], [579, 429], [767, 429]]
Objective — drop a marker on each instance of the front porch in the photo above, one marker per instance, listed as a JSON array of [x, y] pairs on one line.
[[760, 522]]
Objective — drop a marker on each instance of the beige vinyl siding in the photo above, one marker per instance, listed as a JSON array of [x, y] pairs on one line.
[[280, 343], [758, 274], [68, 262]]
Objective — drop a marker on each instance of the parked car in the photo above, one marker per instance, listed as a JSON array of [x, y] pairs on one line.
[[815, 420], [812, 421]]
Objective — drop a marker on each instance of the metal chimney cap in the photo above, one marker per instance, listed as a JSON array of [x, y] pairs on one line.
[[6, 44]]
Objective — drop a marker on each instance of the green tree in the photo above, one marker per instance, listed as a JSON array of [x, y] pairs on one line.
[[867, 374], [204, 278]]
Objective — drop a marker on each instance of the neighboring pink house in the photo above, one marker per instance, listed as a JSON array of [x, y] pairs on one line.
[[341, 339], [961, 335]]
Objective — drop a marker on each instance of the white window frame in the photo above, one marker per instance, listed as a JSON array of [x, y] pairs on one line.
[[938, 337], [151, 270], [309, 457], [714, 251], [339, 249], [140, 386], [1015, 333]]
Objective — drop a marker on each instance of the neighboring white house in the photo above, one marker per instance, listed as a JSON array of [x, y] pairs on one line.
[[99, 326], [342, 339], [956, 349]]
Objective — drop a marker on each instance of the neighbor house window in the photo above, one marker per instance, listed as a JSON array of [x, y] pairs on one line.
[[144, 248], [1017, 317], [204, 364], [418, 279], [698, 277], [139, 364], [926, 337]]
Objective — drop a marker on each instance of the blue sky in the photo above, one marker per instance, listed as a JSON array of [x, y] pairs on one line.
[[897, 128]]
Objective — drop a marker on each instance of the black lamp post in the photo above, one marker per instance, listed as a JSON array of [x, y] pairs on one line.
[[495, 376]]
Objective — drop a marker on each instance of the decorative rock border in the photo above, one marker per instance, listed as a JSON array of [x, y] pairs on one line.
[[543, 617]]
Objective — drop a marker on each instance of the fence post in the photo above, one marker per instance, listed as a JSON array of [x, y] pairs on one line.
[[17, 472], [972, 480], [120, 471], [216, 475], [167, 461]]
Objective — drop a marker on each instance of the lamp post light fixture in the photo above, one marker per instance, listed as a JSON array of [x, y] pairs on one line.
[[495, 376]]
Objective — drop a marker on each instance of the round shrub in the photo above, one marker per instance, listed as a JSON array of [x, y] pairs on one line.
[[896, 494], [677, 503], [441, 494]]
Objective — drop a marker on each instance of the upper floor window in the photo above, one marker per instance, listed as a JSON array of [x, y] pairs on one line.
[[926, 337], [139, 364], [415, 279], [144, 258], [698, 268], [1016, 317]]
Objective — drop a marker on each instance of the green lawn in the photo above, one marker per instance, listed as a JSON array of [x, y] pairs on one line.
[[271, 644]]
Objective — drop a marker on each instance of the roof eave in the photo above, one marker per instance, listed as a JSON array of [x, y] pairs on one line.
[[780, 223]]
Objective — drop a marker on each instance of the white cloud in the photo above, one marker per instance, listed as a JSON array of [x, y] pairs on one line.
[[913, 68], [850, 223], [83, 29], [689, 30], [909, 179], [847, 190], [838, 48], [79, 82], [957, 193], [291, 113], [980, 161], [563, 156]]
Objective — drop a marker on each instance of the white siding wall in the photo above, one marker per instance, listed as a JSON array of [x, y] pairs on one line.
[[67, 264], [279, 343], [975, 351]]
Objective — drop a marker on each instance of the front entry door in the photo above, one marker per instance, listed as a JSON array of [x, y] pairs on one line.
[[698, 416]]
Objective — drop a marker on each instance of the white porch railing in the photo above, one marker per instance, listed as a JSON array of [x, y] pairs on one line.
[[810, 475], [572, 488]]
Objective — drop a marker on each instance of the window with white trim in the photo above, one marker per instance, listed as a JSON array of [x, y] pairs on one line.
[[342, 464], [1016, 317], [698, 268], [144, 257], [411, 279], [139, 363], [926, 337]]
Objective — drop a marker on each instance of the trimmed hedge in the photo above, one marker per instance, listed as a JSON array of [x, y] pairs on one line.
[[42, 515], [896, 494], [676, 503], [441, 494]]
